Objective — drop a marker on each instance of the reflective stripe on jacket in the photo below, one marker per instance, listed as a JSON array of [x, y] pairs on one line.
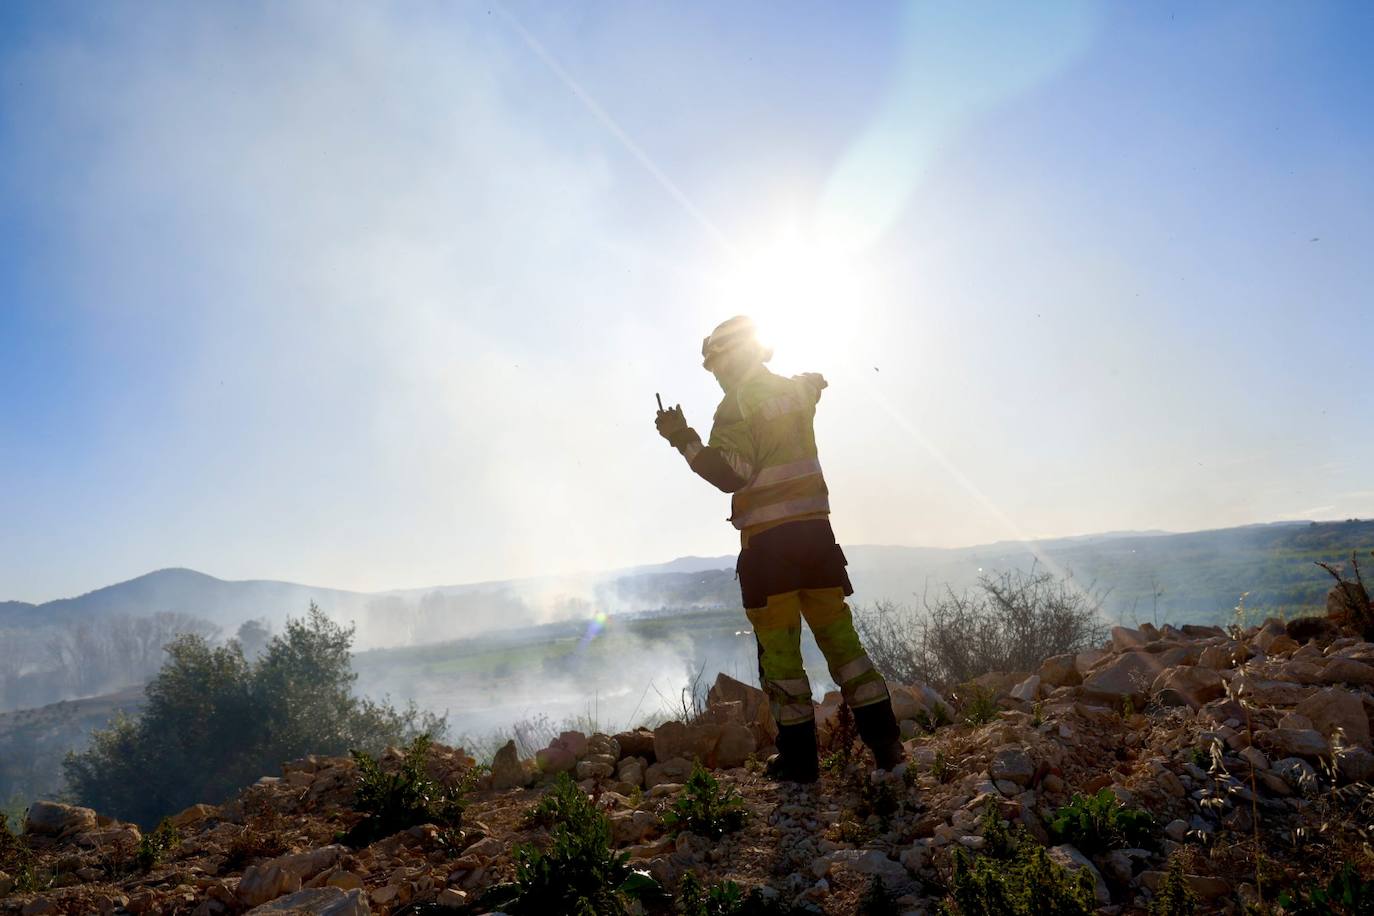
[[764, 429]]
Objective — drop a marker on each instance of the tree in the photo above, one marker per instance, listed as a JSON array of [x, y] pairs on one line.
[[216, 722], [253, 637]]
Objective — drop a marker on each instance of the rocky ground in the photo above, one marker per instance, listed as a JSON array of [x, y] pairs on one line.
[[1251, 750]]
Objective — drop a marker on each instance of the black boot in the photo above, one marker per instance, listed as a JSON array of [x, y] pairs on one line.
[[878, 728], [795, 760]]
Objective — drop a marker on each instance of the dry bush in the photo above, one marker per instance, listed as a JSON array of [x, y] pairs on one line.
[[1012, 621]]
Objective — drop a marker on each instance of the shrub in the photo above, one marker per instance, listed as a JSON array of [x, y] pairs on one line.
[[579, 873], [1175, 897], [724, 899], [215, 722], [1101, 823], [980, 706], [1014, 876], [1011, 622], [153, 847], [704, 808], [17, 860], [1344, 895], [395, 801]]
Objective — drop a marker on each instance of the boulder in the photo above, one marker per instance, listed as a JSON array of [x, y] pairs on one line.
[[1336, 709], [631, 770], [906, 701], [753, 700], [196, 814], [1218, 657], [1059, 671], [1125, 639], [574, 743], [46, 818], [285, 874], [604, 745], [317, 901], [1028, 690], [1355, 764], [594, 767], [1297, 772], [1196, 684], [1013, 764], [675, 770], [1283, 644], [1087, 661], [736, 743], [636, 743], [507, 771], [1341, 670], [555, 759], [1127, 675], [1263, 692], [868, 862], [932, 700], [694, 742], [1294, 742]]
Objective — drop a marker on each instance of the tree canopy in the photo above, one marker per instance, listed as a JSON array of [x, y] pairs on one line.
[[216, 721]]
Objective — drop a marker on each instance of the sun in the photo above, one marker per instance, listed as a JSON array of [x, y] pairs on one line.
[[806, 298]]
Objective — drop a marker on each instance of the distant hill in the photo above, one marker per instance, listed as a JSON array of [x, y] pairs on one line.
[[1197, 576]]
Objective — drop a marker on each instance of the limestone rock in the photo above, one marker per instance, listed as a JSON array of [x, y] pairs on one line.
[[674, 770], [1355, 764], [1124, 639], [1269, 693], [636, 743], [507, 772], [753, 700], [694, 742], [1341, 670], [1336, 709], [1028, 690], [1219, 657], [735, 745], [1293, 742], [1060, 671], [1197, 685], [1013, 764], [316, 901], [555, 759], [1127, 675], [46, 818]]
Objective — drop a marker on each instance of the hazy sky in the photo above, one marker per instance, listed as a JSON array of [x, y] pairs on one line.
[[379, 295]]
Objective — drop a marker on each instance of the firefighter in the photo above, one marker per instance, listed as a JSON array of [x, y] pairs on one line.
[[762, 450]]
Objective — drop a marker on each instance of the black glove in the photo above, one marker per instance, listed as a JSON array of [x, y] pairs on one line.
[[672, 425]]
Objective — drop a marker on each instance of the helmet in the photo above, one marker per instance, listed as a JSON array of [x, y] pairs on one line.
[[729, 336]]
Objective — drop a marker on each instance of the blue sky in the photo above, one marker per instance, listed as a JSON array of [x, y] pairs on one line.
[[379, 295]]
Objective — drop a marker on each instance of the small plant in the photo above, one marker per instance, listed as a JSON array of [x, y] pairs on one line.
[[941, 769], [1200, 758], [724, 899], [878, 900], [935, 717], [1101, 823], [1344, 895], [1037, 714], [153, 847], [404, 798], [981, 706], [1015, 877], [19, 861], [704, 808], [1175, 897], [842, 742], [579, 873], [1127, 707], [853, 831]]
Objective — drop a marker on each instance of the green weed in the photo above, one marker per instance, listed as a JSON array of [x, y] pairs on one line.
[[578, 873], [1101, 823], [704, 808], [395, 801], [1014, 876], [153, 847], [1175, 897], [1344, 895]]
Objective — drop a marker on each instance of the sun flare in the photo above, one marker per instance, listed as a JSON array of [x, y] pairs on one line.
[[805, 297]]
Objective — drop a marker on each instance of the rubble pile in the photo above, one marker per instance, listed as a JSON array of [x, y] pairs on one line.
[[1234, 742]]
